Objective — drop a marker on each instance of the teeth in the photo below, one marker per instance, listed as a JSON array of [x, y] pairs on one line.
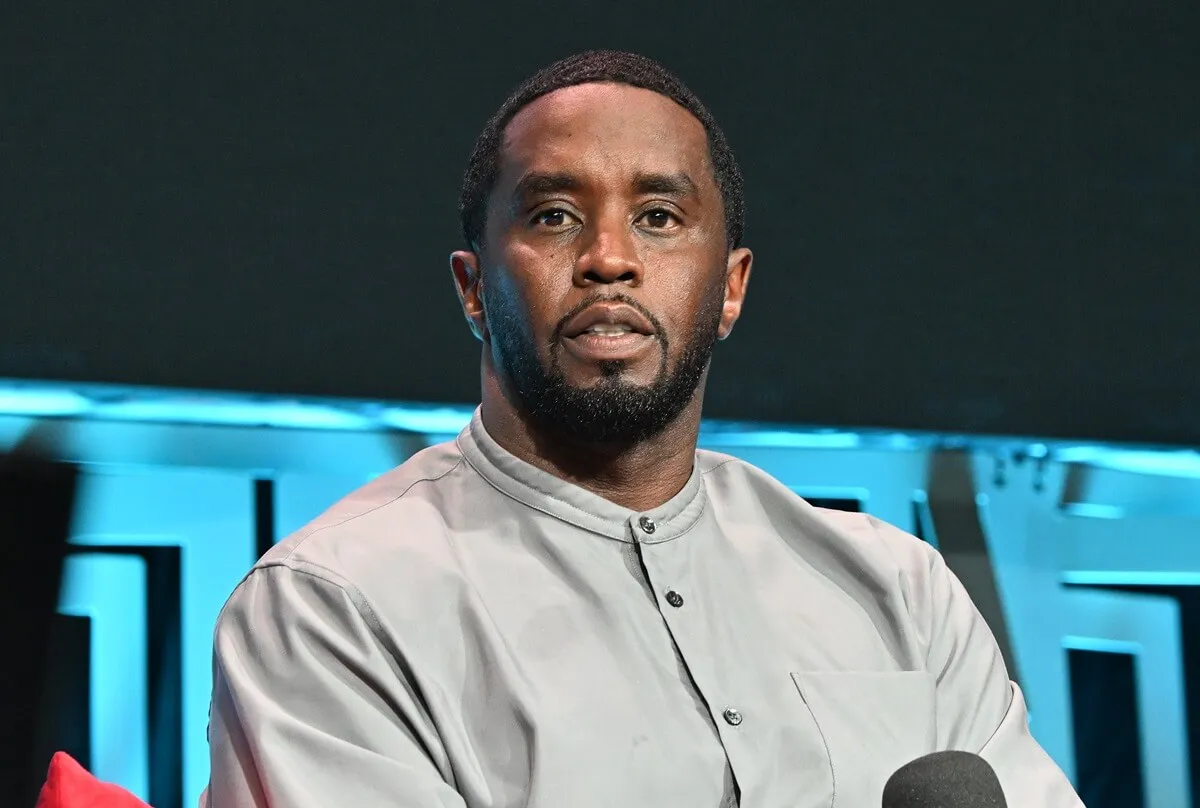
[[607, 329]]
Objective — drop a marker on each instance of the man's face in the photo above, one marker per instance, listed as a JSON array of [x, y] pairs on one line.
[[604, 276]]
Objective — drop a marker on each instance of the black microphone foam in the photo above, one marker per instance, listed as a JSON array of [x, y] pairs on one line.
[[944, 780]]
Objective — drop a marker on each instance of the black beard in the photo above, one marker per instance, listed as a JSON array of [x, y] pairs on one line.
[[611, 412]]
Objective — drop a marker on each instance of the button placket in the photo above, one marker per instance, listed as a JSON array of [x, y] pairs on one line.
[[671, 568]]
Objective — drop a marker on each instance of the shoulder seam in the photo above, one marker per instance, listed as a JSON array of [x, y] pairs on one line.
[[720, 465], [350, 518], [323, 573]]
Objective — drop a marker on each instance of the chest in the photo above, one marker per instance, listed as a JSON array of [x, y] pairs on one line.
[[660, 674]]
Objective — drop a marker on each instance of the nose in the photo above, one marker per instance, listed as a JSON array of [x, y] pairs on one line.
[[610, 257]]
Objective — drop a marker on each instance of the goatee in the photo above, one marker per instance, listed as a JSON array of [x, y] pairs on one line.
[[612, 411]]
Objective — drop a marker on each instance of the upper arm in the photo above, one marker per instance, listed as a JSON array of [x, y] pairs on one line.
[[973, 685], [978, 708], [309, 708]]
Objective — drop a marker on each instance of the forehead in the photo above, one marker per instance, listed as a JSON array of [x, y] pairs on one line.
[[604, 130]]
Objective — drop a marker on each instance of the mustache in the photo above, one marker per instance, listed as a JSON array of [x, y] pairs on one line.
[[618, 297]]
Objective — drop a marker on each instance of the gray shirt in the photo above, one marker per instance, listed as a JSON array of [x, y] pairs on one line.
[[468, 630]]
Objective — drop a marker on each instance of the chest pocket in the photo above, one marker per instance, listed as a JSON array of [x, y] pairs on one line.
[[872, 724]]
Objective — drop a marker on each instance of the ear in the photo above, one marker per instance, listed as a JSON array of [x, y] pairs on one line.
[[737, 278], [464, 265]]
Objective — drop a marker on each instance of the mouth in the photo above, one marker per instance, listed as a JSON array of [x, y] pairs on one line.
[[608, 332], [608, 317], [596, 345]]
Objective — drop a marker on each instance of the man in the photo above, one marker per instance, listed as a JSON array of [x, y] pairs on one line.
[[570, 605]]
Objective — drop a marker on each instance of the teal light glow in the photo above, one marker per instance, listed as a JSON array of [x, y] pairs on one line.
[[1131, 578], [1101, 644], [1168, 463], [427, 420], [1094, 510], [285, 414], [749, 437], [18, 399], [108, 402]]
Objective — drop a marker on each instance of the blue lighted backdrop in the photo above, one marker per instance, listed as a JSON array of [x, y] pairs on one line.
[[181, 491]]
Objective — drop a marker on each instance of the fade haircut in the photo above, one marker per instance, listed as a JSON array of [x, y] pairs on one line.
[[587, 68]]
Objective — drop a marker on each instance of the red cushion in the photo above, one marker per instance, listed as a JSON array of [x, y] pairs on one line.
[[69, 785]]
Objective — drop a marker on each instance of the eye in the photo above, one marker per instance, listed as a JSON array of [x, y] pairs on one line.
[[553, 218], [659, 218]]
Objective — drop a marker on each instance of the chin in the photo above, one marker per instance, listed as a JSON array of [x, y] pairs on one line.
[[607, 380], [612, 368]]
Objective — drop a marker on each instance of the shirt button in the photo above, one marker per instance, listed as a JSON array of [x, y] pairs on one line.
[[647, 524], [732, 717], [674, 598]]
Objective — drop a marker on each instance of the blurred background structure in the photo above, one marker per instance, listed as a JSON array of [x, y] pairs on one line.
[[975, 313]]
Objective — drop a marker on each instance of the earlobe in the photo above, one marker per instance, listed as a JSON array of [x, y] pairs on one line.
[[737, 278], [726, 327], [464, 265], [729, 316]]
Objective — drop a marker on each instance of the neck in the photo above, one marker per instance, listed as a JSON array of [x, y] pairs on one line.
[[640, 476]]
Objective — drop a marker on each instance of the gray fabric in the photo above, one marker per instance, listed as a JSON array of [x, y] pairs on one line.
[[470, 631]]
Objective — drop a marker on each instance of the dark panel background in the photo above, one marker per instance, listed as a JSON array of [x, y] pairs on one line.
[[967, 219]]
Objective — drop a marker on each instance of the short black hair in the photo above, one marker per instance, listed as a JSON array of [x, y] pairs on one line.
[[586, 68]]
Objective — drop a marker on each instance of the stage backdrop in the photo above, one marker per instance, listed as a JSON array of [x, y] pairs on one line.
[[965, 219]]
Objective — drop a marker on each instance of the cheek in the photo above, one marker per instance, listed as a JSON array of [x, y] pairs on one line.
[[545, 277], [690, 306], [529, 294]]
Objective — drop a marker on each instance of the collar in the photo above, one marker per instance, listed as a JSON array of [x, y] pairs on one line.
[[573, 504]]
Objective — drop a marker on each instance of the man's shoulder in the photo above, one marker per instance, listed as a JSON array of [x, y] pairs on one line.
[[737, 486], [402, 511]]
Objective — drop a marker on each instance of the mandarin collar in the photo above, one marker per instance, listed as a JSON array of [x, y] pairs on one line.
[[573, 504]]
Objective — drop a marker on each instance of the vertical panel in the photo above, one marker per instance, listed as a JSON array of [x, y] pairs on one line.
[[1108, 756], [1034, 549], [1149, 627], [210, 516], [1013, 511], [110, 590]]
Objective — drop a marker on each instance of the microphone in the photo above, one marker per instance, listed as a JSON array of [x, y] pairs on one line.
[[944, 780]]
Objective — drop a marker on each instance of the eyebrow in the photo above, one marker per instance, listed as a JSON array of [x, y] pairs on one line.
[[539, 183], [677, 184]]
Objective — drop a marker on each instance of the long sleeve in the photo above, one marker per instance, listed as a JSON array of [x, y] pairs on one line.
[[979, 709], [310, 708]]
